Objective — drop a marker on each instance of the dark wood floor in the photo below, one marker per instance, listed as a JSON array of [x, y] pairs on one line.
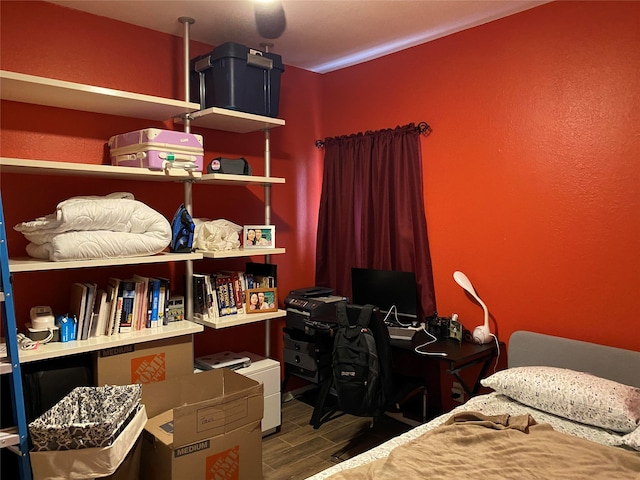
[[299, 450]]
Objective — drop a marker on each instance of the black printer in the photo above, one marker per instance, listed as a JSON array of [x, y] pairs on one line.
[[308, 335], [312, 308]]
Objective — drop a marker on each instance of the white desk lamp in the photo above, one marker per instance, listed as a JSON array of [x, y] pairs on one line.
[[482, 333]]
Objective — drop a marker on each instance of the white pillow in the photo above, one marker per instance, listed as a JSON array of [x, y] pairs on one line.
[[578, 396], [632, 440]]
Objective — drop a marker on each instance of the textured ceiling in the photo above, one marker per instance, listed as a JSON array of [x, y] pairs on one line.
[[321, 35]]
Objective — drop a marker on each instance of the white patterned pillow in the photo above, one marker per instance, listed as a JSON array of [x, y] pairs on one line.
[[632, 440], [578, 396]]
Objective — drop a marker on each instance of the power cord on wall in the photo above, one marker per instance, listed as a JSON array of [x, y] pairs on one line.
[[495, 366]]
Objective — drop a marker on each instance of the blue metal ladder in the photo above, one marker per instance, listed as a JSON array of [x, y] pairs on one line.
[[16, 438]]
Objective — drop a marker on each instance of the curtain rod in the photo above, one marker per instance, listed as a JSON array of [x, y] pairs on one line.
[[422, 127]]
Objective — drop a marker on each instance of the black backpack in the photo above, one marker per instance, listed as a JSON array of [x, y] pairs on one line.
[[358, 371]]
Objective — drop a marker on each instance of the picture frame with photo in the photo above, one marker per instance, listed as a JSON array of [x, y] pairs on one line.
[[259, 236], [260, 300]]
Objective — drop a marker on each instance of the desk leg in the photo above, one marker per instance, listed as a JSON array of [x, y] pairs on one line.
[[318, 410], [476, 385]]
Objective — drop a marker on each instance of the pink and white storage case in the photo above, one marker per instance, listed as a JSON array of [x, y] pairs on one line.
[[156, 149]]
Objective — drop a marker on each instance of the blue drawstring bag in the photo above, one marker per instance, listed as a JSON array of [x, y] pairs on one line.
[[182, 229]]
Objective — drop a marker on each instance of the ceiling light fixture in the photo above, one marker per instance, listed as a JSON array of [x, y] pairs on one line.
[[271, 21]]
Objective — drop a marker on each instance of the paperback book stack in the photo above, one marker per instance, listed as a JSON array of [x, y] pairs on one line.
[[224, 293], [126, 305]]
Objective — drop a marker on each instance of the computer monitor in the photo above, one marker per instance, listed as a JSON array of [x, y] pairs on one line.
[[385, 288]]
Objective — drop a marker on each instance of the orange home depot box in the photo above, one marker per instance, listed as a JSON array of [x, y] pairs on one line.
[[203, 426], [147, 362]]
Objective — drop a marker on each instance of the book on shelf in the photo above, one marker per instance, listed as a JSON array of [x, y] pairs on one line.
[[89, 308], [212, 298], [114, 297], [143, 314], [226, 298], [77, 305], [100, 314], [237, 287], [128, 300], [205, 298], [163, 300], [154, 297], [200, 297], [263, 270], [260, 281]]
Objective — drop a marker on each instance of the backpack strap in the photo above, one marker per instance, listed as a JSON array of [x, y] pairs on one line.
[[365, 316], [341, 314], [352, 331]]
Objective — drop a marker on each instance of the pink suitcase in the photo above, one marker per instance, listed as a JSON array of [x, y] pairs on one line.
[[157, 149]]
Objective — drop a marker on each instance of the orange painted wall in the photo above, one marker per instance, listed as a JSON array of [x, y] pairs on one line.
[[532, 172]]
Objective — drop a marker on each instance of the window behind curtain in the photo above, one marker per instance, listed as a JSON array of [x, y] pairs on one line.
[[372, 211]]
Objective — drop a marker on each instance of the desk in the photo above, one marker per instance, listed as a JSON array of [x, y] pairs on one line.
[[459, 356], [308, 356]]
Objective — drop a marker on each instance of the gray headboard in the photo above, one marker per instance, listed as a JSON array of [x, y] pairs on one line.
[[529, 348]]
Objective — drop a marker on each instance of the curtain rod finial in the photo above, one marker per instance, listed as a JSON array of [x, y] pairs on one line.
[[424, 128], [319, 144]]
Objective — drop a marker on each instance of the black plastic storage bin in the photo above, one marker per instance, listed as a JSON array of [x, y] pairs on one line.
[[239, 78]]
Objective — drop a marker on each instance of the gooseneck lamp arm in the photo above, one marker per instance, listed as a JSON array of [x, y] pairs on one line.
[[482, 333]]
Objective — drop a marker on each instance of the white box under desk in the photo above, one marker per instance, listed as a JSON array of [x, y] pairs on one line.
[[267, 372]]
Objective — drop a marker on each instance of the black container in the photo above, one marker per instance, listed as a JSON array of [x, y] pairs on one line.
[[239, 78]]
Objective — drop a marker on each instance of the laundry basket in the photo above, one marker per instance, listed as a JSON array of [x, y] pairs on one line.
[[92, 432], [85, 418]]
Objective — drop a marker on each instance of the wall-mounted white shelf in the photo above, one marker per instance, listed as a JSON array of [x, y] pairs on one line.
[[241, 252], [239, 180], [27, 264], [243, 319], [20, 87], [60, 349], [68, 169], [37, 90], [231, 120]]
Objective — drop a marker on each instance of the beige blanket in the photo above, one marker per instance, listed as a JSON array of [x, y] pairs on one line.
[[473, 445]]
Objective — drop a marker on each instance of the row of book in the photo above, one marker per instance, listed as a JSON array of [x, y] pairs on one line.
[[124, 306], [220, 294]]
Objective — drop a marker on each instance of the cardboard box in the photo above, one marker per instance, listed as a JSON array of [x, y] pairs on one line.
[[203, 426], [148, 362]]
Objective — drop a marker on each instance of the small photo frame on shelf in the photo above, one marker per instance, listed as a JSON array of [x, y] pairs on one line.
[[259, 236], [261, 300]]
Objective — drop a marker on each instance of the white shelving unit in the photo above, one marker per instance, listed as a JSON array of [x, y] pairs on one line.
[[242, 319], [36, 90], [237, 122], [32, 89], [46, 167], [56, 93], [226, 120], [59, 349], [20, 87]]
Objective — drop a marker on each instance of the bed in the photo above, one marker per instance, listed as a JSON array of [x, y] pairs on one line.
[[563, 409]]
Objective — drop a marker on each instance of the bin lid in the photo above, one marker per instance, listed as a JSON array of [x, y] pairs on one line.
[[237, 50]]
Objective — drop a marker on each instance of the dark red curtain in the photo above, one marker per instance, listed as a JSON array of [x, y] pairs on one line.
[[372, 211]]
